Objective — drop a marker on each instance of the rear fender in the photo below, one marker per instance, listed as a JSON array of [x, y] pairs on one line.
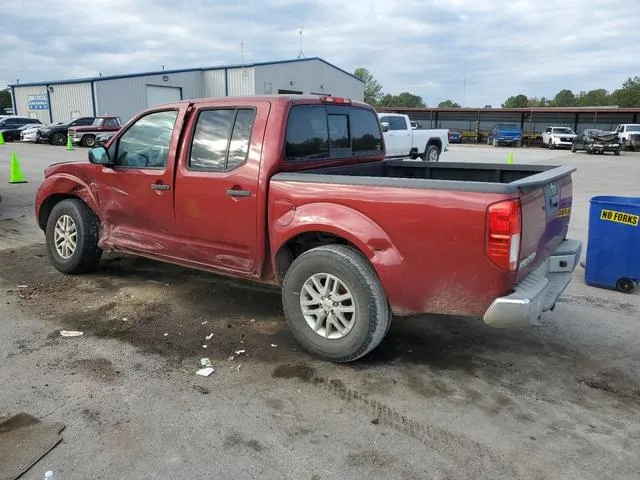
[[58, 187], [348, 224]]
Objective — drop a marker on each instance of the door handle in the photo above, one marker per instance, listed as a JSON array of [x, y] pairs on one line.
[[160, 186], [232, 192]]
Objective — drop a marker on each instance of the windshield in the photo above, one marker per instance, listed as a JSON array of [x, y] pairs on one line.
[[563, 130], [508, 125], [633, 128]]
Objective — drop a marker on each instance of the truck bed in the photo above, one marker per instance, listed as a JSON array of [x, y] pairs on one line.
[[473, 177]]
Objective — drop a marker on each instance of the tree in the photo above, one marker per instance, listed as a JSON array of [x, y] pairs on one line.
[[594, 98], [405, 99], [629, 94], [448, 104], [537, 102], [372, 88], [5, 100], [519, 101], [564, 98]]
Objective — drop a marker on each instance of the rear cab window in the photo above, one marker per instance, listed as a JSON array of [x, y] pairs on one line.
[[316, 132]]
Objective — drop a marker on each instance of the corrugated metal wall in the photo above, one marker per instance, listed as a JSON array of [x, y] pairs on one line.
[[124, 97], [213, 83], [312, 76], [71, 100], [22, 99], [241, 81]]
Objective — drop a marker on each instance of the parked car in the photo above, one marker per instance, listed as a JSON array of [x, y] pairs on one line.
[[31, 134], [306, 199], [629, 136], [56, 134], [12, 122], [86, 136], [401, 140], [597, 141], [505, 134], [455, 135], [558, 137], [12, 134]]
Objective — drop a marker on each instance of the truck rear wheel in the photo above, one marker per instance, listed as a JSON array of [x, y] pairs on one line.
[[334, 303], [431, 154], [88, 141], [72, 235]]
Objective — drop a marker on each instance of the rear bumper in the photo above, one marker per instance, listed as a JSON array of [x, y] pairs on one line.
[[538, 291]]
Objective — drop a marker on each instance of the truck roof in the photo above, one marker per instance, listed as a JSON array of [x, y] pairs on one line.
[[282, 99]]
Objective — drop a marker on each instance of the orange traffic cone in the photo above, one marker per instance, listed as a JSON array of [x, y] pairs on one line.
[[16, 172]]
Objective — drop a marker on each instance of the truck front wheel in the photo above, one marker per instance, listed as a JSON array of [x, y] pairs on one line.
[[334, 303], [72, 235]]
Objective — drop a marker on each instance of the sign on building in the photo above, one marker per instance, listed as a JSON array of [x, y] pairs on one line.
[[38, 102]]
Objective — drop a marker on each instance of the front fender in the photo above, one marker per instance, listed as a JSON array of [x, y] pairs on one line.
[[349, 224], [59, 186]]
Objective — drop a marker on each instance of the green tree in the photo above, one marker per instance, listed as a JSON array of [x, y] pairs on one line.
[[564, 98], [629, 94], [518, 101], [372, 88], [404, 99], [5, 100], [448, 104], [594, 98]]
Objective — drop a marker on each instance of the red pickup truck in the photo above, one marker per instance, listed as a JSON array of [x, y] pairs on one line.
[[296, 191]]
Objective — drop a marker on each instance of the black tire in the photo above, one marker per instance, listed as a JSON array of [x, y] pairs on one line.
[[573, 149], [372, 312], [431, 154], [616, 152], [86, 256], [58, 138], [626, 285], [88, 141], [551, 146]]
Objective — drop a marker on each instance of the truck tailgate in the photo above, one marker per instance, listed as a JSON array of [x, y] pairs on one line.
[[545, 200]]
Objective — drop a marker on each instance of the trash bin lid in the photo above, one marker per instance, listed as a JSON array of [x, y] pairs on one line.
[[616, 200]]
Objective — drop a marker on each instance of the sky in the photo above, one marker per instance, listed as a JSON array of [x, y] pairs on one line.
[[474, 53]]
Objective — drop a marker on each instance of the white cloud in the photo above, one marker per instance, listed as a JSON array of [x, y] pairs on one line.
[[427, 47]]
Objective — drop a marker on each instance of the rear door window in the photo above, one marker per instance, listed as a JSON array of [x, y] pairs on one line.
[[318, 132]]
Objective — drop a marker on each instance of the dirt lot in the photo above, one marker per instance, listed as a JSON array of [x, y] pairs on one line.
[[440, 398]]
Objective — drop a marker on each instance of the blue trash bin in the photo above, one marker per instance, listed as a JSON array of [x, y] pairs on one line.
[[613, 250]]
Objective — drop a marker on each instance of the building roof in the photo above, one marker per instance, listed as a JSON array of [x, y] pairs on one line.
[[183, 70], [603, 109]]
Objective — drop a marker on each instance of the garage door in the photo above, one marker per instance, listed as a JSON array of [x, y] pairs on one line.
[[159, 95]]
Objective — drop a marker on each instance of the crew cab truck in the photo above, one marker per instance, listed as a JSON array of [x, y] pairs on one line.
[[86, 136], [402, 140], [296, 191], [629, 135], [505, 134]]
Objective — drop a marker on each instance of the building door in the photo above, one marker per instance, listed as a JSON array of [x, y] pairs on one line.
[[157, 95]]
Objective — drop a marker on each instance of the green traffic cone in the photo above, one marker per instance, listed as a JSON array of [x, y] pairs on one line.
[[1, 139], [16, 172], [69, 143], [510, 158]]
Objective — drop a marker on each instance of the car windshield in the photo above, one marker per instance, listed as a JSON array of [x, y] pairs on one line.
[[508, 125], [633, 128], [563, 130]]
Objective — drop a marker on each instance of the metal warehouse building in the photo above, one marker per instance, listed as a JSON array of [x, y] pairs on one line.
[[125, 95]]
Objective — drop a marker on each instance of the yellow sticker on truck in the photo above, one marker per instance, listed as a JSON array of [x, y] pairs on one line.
[[620, 217], [563, 212]]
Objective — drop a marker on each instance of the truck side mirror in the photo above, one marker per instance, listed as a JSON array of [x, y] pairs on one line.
[[385, 126], [99, 156]]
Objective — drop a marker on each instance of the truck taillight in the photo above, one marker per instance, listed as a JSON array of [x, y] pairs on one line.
[[503, 234], [329, 99]]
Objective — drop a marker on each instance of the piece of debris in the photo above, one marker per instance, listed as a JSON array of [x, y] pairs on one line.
[[204, 323], [205, 372], [70, 333], [274, 345], [205, 362], [125, 319], [238, 369], [166, 334], [22, 286], [209, 337], [375, 421], [238, 352], [253, 320], [231, 357], [204, 346], [201, 389]]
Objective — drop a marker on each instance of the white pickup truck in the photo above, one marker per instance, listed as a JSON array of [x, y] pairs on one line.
[[629, 135], [401, 140]]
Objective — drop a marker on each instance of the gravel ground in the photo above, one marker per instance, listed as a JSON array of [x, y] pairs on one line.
[[440, 398]]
